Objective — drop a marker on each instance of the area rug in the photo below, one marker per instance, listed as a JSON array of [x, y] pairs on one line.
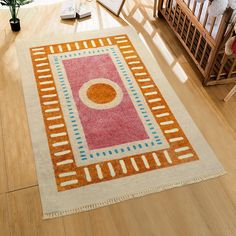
[[105, 124]]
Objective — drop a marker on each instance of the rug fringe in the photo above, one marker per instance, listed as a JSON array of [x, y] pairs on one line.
[[130, 196]]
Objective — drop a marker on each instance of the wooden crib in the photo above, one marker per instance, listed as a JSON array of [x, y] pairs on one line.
[[202, 36]]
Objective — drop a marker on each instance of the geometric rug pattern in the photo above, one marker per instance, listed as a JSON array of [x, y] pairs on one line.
[[105, 124], [150, 152]]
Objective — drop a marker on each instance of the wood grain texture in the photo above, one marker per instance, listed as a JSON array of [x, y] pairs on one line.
[[4, 224], [78, 223], [218, 93], [3, 175], [25, 215], [17, 146], [207, 208]]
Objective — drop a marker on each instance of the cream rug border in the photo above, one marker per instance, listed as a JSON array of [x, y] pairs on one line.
[[97, 195]]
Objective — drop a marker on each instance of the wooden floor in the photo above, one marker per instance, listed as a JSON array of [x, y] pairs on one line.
[[207, 208]]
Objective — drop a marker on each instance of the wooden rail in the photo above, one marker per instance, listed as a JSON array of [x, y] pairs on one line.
[[197, 37]]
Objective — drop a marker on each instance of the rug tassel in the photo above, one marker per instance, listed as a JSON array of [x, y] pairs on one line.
[[129, 196]]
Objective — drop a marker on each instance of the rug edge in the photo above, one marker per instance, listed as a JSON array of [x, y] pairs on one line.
[[130, 196]]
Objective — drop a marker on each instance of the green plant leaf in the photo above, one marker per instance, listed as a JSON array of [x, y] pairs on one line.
[[14, 6]]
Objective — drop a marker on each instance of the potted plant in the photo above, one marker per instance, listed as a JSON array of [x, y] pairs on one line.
[[14, 6]]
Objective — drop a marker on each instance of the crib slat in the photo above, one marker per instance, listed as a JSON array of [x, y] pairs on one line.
[[232, 68], [166, 6], [230, 94], [189, 3], [194, 6], [182, 31], [189, 27], [170, 8], [200, 11], [155, 8], [228, 34], [179, 19], [194, 34], [224, 60], [198, 45], [212, 25], [206, 16], [173, 21], [203, 54]]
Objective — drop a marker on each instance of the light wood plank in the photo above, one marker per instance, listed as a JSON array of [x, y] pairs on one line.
[[219, 222], [25, 215], [4, 226], [144, 213], [100, 225], [3, 176], [78, 223], [17, 144], [98, 222], [228, 110]]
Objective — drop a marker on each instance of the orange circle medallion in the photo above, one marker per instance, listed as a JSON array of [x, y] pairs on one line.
[[101, 93]]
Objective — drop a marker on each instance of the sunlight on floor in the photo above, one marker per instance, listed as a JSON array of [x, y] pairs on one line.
[[138, 16], [128, 7], [41, 2], [174, 66], [146, 2], [108, 20], [149, 12], [180, 73], [145, 43], [148, 27], [144, 17], [163, 49]]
